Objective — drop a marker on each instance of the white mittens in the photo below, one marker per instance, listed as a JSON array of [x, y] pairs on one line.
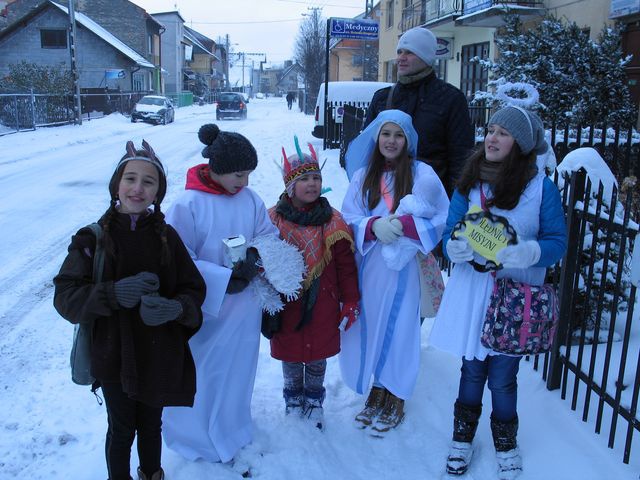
[[522, 255], [459, 250], [387, 229]]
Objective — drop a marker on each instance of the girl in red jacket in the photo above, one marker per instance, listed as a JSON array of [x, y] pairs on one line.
[[306, 332]]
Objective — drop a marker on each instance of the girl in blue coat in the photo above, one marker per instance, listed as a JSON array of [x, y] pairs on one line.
[[501, 177]]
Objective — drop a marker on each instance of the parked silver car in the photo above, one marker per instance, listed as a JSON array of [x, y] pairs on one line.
[[154, 109]]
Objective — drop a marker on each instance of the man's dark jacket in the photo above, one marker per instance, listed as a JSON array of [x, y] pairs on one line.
[[441, 119]]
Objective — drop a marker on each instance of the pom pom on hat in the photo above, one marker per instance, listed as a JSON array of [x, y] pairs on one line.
[[227, 152], [420, 42], [208, 133]]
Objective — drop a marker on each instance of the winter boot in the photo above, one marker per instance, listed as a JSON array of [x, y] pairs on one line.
[[465, 423], [294, 405], [391, 415], [507, 451], [372, 408], [159, 475], [313, 412]]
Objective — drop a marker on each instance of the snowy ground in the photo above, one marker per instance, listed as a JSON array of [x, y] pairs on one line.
[[55, 181]]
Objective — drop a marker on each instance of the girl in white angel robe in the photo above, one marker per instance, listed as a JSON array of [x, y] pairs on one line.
[[383, 347]]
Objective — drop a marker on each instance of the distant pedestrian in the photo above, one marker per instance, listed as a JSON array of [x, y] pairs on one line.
[[306, 332], [144, 311], [290, 98]]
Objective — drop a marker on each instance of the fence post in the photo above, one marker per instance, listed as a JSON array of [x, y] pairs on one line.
[[33, 109], [567, 274], [15, 98]]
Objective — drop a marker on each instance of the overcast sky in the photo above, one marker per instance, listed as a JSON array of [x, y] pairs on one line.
[[256, 26]]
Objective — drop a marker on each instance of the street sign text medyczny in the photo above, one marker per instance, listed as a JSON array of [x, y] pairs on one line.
[[354, 28]]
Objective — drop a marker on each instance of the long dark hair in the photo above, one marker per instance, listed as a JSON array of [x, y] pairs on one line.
[[160, 226], [511, 180], [402, 180]]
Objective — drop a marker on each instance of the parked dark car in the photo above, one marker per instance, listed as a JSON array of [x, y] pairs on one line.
[[231, 105], [153, 109]]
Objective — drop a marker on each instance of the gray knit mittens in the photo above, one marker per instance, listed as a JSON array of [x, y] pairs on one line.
[[129, 289]]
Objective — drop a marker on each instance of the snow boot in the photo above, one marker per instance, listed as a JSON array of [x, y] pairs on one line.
[[159, 475], [372, 408], [314, 413], [507, 451], [465, 424], [294, 405], [391, 415]]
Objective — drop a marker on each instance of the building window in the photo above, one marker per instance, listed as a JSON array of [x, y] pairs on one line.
[[53, 38], [473, 77], [440, 67], [390, 13], [138, 82]]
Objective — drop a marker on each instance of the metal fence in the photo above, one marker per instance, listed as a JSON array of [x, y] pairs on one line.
[[19, 112], [596, 352]]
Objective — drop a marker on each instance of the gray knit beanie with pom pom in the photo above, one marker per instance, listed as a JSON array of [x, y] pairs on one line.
[[227, 152]]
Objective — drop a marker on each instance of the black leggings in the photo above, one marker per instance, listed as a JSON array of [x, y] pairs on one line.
[[127, 418]]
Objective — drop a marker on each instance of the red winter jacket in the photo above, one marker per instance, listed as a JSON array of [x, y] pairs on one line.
[[320, 338]]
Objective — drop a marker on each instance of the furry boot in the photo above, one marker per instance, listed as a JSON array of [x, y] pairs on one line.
[[507, 451], [313, 412], [465, 424], [159, 475], [372, 408], [391, 415]]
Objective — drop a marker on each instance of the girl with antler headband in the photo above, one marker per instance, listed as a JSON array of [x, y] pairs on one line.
[[306, 332], [144, 310]]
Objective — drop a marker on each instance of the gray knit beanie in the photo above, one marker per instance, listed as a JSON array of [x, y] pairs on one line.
[[421, 42], [227, 152], [524, 126]]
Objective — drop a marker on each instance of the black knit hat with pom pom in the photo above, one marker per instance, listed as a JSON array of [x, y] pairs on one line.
[[227, 152]]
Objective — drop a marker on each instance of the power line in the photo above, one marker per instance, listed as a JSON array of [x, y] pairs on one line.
[[248, 22]]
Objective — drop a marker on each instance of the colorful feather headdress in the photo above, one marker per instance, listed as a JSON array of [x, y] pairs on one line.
[[300, 164]]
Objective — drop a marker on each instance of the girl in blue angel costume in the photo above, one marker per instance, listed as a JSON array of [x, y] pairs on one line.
[[502, 177], [384, 346]]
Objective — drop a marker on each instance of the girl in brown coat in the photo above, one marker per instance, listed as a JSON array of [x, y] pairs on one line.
[[144, 310]]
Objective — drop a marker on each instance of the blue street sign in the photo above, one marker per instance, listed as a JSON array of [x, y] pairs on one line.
[[354, 28]]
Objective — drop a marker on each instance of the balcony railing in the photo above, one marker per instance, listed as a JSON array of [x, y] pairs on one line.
[[426, 12]]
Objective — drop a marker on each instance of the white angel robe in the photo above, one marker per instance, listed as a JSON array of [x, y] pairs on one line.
[[225, 349], [384, 344]]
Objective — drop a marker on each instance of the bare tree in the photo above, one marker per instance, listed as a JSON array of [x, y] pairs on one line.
[[310, 54]]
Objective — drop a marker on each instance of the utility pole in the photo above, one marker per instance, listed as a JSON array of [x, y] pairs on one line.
[[226, 66], [368, 13], [74, 69]]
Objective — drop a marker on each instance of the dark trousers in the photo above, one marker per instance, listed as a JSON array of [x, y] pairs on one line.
[[501, 372], [126, 419]]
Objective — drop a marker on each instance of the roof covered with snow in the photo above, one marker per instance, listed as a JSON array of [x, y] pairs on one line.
[[122, 47]]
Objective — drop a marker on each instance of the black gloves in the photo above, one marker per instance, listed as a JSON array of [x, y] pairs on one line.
[[128, 290], [156, 310], [244, 271], [270, 324]]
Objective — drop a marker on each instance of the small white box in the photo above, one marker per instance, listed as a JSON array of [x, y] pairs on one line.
[[235, 249]]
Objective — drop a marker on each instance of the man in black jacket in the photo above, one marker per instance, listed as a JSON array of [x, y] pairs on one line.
[[439, 110]]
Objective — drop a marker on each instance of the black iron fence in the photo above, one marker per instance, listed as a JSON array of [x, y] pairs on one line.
[[597, 350]]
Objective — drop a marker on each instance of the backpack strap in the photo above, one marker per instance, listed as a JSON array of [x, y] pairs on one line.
[[98, 255]]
